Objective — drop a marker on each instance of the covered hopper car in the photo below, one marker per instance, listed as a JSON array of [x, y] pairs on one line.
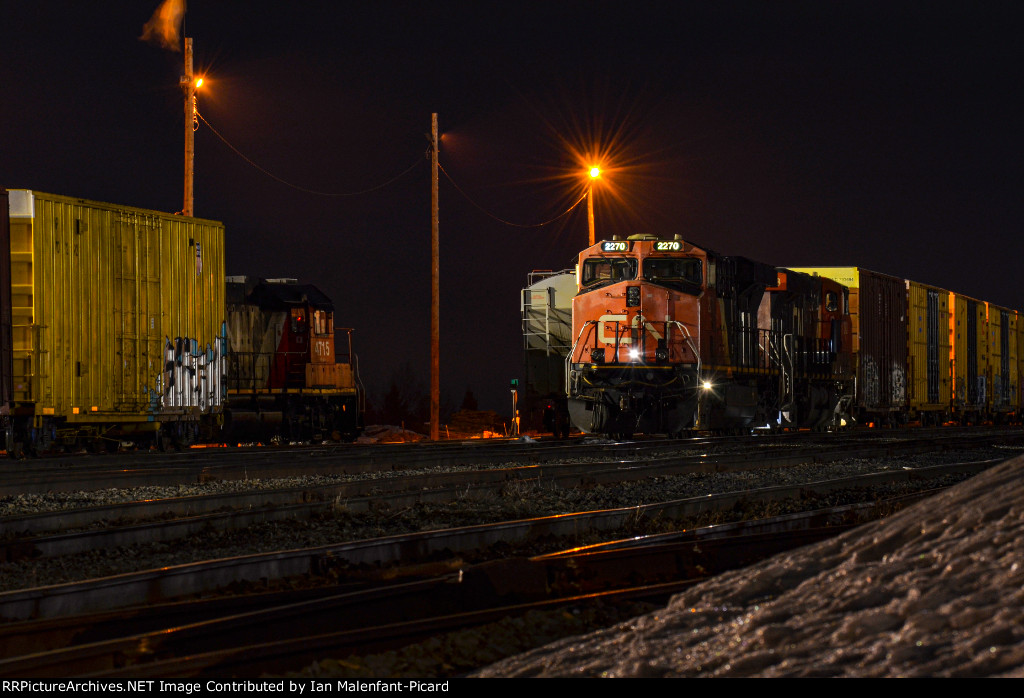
[[546, 313]]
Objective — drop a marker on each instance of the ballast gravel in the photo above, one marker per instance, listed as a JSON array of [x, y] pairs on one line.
[[518, 500]]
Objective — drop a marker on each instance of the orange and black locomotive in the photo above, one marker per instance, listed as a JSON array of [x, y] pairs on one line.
[[669, 337]]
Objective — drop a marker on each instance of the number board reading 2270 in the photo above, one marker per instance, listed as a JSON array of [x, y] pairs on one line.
[[615, 246], [659, 246]]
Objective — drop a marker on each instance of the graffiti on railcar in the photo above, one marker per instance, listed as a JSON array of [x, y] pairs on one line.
[[872, 382], [192, 376], [898, 378]]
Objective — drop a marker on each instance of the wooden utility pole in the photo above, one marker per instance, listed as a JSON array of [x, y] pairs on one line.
[[590, 213], [435, 293], [188, 83]]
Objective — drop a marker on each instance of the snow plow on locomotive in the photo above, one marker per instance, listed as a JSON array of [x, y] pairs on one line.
[[671, 337]]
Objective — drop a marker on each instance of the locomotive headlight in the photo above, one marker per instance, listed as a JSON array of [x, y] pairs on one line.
[[634, 354], [707, 385]]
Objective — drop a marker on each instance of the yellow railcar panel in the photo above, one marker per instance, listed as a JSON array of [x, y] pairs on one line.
[[928, 345], [970, 353], [115, 309], [1002, 359]]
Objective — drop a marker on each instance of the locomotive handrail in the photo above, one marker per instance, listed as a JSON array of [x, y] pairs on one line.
[[689, 341], [572, 352]]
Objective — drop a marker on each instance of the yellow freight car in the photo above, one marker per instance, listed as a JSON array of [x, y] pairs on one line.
[[969, 358], [1003, 376], [928, 351], [118, 322]]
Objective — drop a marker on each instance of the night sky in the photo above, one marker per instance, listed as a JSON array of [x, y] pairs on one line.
[[882, 135]]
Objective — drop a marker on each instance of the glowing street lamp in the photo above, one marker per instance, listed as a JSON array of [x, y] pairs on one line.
[[595, 172]]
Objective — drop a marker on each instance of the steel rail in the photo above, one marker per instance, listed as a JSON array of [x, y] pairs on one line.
[[158, 585], [362, 622]]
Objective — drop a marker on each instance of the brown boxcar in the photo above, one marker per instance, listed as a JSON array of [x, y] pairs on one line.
[[118, 322], [878, 311]]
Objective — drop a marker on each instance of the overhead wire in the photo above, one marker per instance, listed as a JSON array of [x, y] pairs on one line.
[[385, 184], [240, 154], [502, 220]]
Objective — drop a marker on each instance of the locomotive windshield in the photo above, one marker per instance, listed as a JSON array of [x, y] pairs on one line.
[[679, 273], [600, 271]]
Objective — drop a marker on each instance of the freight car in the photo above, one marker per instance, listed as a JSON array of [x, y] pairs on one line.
[[930, 355], [546, 313], [670, 336], [288, 378], [116, 324]]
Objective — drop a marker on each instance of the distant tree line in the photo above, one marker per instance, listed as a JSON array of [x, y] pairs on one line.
[[406, 401]]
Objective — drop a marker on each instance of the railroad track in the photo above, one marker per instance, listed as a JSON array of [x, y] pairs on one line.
[[342, 567], [210, 638], [173, 518], [71, 473], [164, 584]]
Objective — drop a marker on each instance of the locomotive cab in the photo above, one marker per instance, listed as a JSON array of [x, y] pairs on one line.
[[635, 362]]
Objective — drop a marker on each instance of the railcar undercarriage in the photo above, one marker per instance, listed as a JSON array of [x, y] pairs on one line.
[[621, 400]]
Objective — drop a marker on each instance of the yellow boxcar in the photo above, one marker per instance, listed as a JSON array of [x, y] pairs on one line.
[[1002, 365], [118, 320], [1019, 339], [928, 349], [969, 357]]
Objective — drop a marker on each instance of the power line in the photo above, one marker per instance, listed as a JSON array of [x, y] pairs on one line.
[[502, 220], [240, 154]]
